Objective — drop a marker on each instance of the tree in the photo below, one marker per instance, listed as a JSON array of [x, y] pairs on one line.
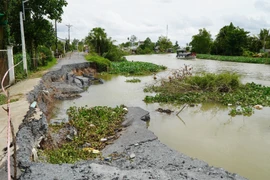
[[98, 40], [132, 39], [147, 47], [254, 44], [75, 44], [230, 41], [164, 43], [38, 29], [202, 42], [264, 37], [125, 45], [176, 46]]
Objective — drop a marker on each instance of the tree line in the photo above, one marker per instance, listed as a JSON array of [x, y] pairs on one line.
[[40, 37], [231, 41]]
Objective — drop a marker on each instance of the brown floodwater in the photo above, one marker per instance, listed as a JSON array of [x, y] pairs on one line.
[[238, 144]]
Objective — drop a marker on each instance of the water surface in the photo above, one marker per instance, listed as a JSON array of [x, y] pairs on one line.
[[239, 144]]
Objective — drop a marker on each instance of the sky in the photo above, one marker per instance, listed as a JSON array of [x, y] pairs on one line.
[[179, 19]]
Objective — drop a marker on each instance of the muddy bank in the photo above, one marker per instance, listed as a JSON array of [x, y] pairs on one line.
[[137, 154]]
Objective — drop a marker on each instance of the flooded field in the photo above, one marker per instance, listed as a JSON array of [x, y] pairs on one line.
[[239, 144]]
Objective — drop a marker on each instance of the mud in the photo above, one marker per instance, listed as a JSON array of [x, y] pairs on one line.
[[137, 154]]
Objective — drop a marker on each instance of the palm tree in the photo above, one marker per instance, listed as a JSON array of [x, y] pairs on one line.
[[263, 36]]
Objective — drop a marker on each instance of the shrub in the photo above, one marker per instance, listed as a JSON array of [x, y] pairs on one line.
[[114, 54], [19, 71], [103, 64], [45, 55]]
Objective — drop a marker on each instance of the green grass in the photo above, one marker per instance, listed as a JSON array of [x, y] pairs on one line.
[[129, 68], [41, 70], [49, 65], [134, 80], [235, 58], [92, 124], [103, 64], [3, 99], [222, 88], [125, 68]]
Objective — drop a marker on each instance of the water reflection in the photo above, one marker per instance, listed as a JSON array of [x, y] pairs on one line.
[[238, 144]]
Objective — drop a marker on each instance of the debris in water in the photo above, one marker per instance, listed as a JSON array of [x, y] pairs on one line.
[[168, 111]]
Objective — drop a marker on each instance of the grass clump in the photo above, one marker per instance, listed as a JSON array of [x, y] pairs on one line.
[[259, 60], [135, 68], [134, 80], [92, 124], [103, 64], [224, 88], [3, 99]]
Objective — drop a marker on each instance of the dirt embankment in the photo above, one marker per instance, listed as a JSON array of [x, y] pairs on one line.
[[137, 154]]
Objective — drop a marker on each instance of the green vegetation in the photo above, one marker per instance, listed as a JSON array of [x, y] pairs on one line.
[[202, 42], [222, 88], [147, 47], [164, 44], [125, 67], [233, 41], [100, 43], [234, 58], [135, 68], [3, 99], [92, 124], [46, 62], [39, 31], [134, 80], [103, 64]]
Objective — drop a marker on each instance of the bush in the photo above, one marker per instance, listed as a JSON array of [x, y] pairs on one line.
[[45, 55], [247, 53], [114, 54], [103, 64], [19, 71]]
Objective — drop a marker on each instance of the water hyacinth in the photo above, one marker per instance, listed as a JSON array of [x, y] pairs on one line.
[[224, 88], [95, 127]]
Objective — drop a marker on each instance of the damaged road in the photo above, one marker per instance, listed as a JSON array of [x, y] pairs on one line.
[[136, 154]]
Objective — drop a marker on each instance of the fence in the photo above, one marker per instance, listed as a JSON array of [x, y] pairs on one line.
[[6, 61]]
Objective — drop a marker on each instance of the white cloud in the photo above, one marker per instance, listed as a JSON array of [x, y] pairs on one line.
[[263, 5], [149, 18]]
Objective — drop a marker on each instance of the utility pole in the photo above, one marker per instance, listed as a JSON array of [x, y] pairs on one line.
[[56, 44], [69, 26], [22, 17]]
